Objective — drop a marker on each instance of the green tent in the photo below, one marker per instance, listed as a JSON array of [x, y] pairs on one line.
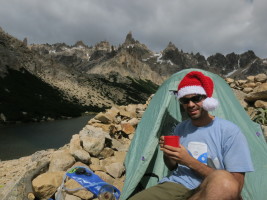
[[163, 113]]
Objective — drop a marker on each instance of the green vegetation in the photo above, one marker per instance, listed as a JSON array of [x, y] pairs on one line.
[[24, 97], [260, 116], [136, 91], [145, 86]]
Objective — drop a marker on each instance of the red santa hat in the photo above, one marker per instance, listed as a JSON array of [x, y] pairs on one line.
[[197, 83]]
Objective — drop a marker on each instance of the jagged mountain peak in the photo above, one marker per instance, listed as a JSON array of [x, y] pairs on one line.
[[103, 46], [171, 46], [129, 39], [80, 44]]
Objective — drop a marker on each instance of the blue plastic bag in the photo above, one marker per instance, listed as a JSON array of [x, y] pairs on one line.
[[90, 181]]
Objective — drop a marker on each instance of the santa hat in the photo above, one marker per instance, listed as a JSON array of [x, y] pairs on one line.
[[197, 83]]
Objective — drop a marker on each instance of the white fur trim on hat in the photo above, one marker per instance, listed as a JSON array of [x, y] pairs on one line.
[[210, 104], [193, 89]]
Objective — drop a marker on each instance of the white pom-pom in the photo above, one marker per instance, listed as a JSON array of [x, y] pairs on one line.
[[210, 104]]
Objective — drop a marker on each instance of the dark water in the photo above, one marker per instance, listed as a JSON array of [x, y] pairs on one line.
[[25, 139]]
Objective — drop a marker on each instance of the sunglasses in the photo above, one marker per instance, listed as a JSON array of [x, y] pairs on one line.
[[194, 99]]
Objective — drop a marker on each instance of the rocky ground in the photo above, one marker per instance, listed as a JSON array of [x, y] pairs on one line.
[[101, 145]]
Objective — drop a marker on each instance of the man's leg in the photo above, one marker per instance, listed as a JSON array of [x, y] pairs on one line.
[[219, 185], [164, 191]]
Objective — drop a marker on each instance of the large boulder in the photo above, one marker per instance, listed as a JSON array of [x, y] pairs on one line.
[[77, 151], [261, 78], [115, 169], [61, 161], [45, 185], [93, 140], [259, 93]]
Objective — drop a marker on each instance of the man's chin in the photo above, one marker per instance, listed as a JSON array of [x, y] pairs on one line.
[[194, 117]]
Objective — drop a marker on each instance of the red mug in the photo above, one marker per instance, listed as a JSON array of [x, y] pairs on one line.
[[172, 140]]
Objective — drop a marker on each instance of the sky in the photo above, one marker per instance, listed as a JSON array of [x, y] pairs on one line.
[[204, 26]]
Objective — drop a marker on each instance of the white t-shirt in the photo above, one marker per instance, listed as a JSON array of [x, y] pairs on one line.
[[220, 145]]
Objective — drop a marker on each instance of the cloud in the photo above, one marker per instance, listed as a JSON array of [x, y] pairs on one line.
[[206, 26]]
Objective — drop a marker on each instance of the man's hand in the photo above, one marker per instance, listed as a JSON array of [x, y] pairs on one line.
[[169, 162], [179, 154]]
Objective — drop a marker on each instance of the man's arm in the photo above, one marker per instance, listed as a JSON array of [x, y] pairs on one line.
[[240, 177], [170, 163], [174, 156]]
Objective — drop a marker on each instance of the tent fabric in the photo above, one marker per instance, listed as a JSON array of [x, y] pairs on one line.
[[161, 116]]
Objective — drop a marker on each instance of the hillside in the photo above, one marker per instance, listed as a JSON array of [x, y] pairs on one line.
[[93, 78], [24, 73]]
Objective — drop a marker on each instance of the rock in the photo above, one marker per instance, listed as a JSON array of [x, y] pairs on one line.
[[250, 85], [104, 118], [120, 156], [77, 151], [250, 111], [82, 193], [106, 152], [45, 185], [261, 88], [95, 161], [95, 165], [117, 145], [241, 82], [119, 182], [139, 114], [232, 85], [258, 84], [105, 177], [115, 169], [261, 78], [61, 161], [93, 145], [134, 121], [30, 196], [229, 80], [247, 90], [260, 104], [16, 175], [104, 127], [259, 93], [131, 109], [93, 139], [93, 121], [78, 164], [128, 111], [71, 197], [251, 78], [112, 113], [127, 128]]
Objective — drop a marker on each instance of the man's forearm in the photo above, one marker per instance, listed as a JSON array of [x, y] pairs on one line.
[[199, 167], [171, 164]]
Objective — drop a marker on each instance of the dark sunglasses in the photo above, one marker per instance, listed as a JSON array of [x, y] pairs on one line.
[[194, 99]]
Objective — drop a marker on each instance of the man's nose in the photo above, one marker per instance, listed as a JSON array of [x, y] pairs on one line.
[[190, 104]]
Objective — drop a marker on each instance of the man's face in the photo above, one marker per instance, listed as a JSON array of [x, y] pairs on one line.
[[192, 104]]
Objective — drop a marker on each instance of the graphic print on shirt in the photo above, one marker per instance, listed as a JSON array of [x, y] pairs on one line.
[[199, 151]]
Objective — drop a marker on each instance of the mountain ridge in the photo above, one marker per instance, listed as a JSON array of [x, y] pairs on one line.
[[101, 76]]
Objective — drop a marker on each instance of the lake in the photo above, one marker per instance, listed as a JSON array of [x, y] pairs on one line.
[[25, 139]]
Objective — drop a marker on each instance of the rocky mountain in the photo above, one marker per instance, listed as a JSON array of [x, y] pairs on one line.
[[100, 76], [65, 77], [136, 60]]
